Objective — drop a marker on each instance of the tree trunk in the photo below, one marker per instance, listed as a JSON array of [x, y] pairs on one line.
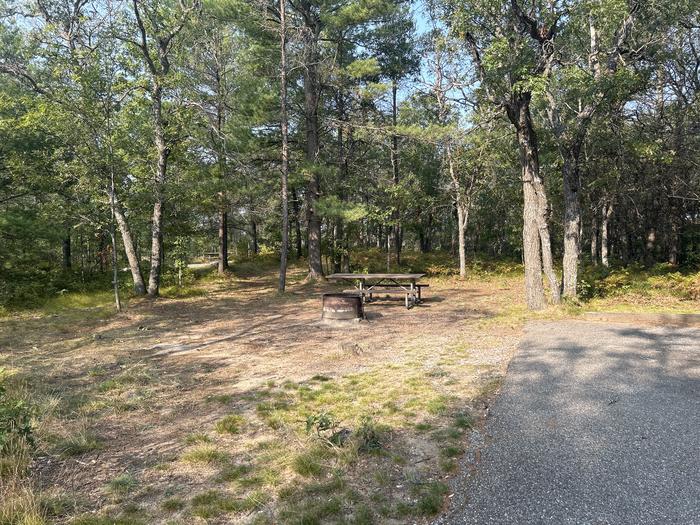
[[462, 218], [297, 223], [604, 230], [388, 248], [311, 100], [157, 219], [345, 256], [395, 227], [572, 222], [129, 249], [285, 148], [65, 248], [341, 237], [254, 235], [674, 236], [650, 246], [462, 213], [537, 251], [594, 242], [223, 240]]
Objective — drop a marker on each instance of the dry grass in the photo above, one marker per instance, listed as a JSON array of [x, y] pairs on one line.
[[234, 404]]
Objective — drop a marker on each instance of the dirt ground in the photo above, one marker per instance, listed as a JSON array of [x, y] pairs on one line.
[[130, 404]]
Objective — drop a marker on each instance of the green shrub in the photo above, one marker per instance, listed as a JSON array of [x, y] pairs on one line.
[[369, 435]]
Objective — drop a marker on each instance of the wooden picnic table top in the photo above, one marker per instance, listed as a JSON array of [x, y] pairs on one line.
[[395, 276]]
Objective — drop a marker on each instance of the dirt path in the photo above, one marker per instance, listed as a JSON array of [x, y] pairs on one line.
[[596, 423]]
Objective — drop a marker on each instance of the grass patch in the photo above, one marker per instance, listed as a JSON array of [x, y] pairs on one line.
[[197, 438], [125, 519], [230, 424], [135, 375], [464, 421], [173, 504], [234, 472], [81, 441], [224, 399], [431, 498], [451, 451], [20, 505], [122, 485], [313, 511], [205, 454], [214, 503], [57, 505], [311, 462], [438, 405], [182, 292]]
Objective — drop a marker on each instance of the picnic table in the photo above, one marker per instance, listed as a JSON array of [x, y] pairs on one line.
[[368, 284]]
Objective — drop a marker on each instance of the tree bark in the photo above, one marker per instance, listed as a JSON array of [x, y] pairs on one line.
[[297, 223], [223, 241], [604, 232], [312, 90], [537, 250], [594, 242], [461, 203], [66, 249], [572, 222], [462, 218], [650, 246], [129, 249], [394, 154], [284, 197], [674, 236], [254, 235], [163, 153]]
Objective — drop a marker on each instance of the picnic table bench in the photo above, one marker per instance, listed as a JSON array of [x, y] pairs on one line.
[[368, 284]]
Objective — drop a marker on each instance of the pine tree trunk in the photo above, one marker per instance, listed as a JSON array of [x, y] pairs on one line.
[[394, 154], [66, 251], [594, 242], [311, 100], [674, 236], [284, 198], [223, 241], [157, 218], [297, 223]]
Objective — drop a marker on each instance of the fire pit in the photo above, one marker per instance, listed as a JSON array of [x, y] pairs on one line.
[[342, 307]]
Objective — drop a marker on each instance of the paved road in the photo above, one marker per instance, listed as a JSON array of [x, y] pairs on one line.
[[596, 424]]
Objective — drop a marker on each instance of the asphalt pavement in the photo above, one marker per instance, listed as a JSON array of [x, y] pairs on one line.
[[595, 424]]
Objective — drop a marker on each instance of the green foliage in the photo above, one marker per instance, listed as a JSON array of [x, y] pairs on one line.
[[15, 419], [369, 435], [333, 207], [320, 423], [600, 282]]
